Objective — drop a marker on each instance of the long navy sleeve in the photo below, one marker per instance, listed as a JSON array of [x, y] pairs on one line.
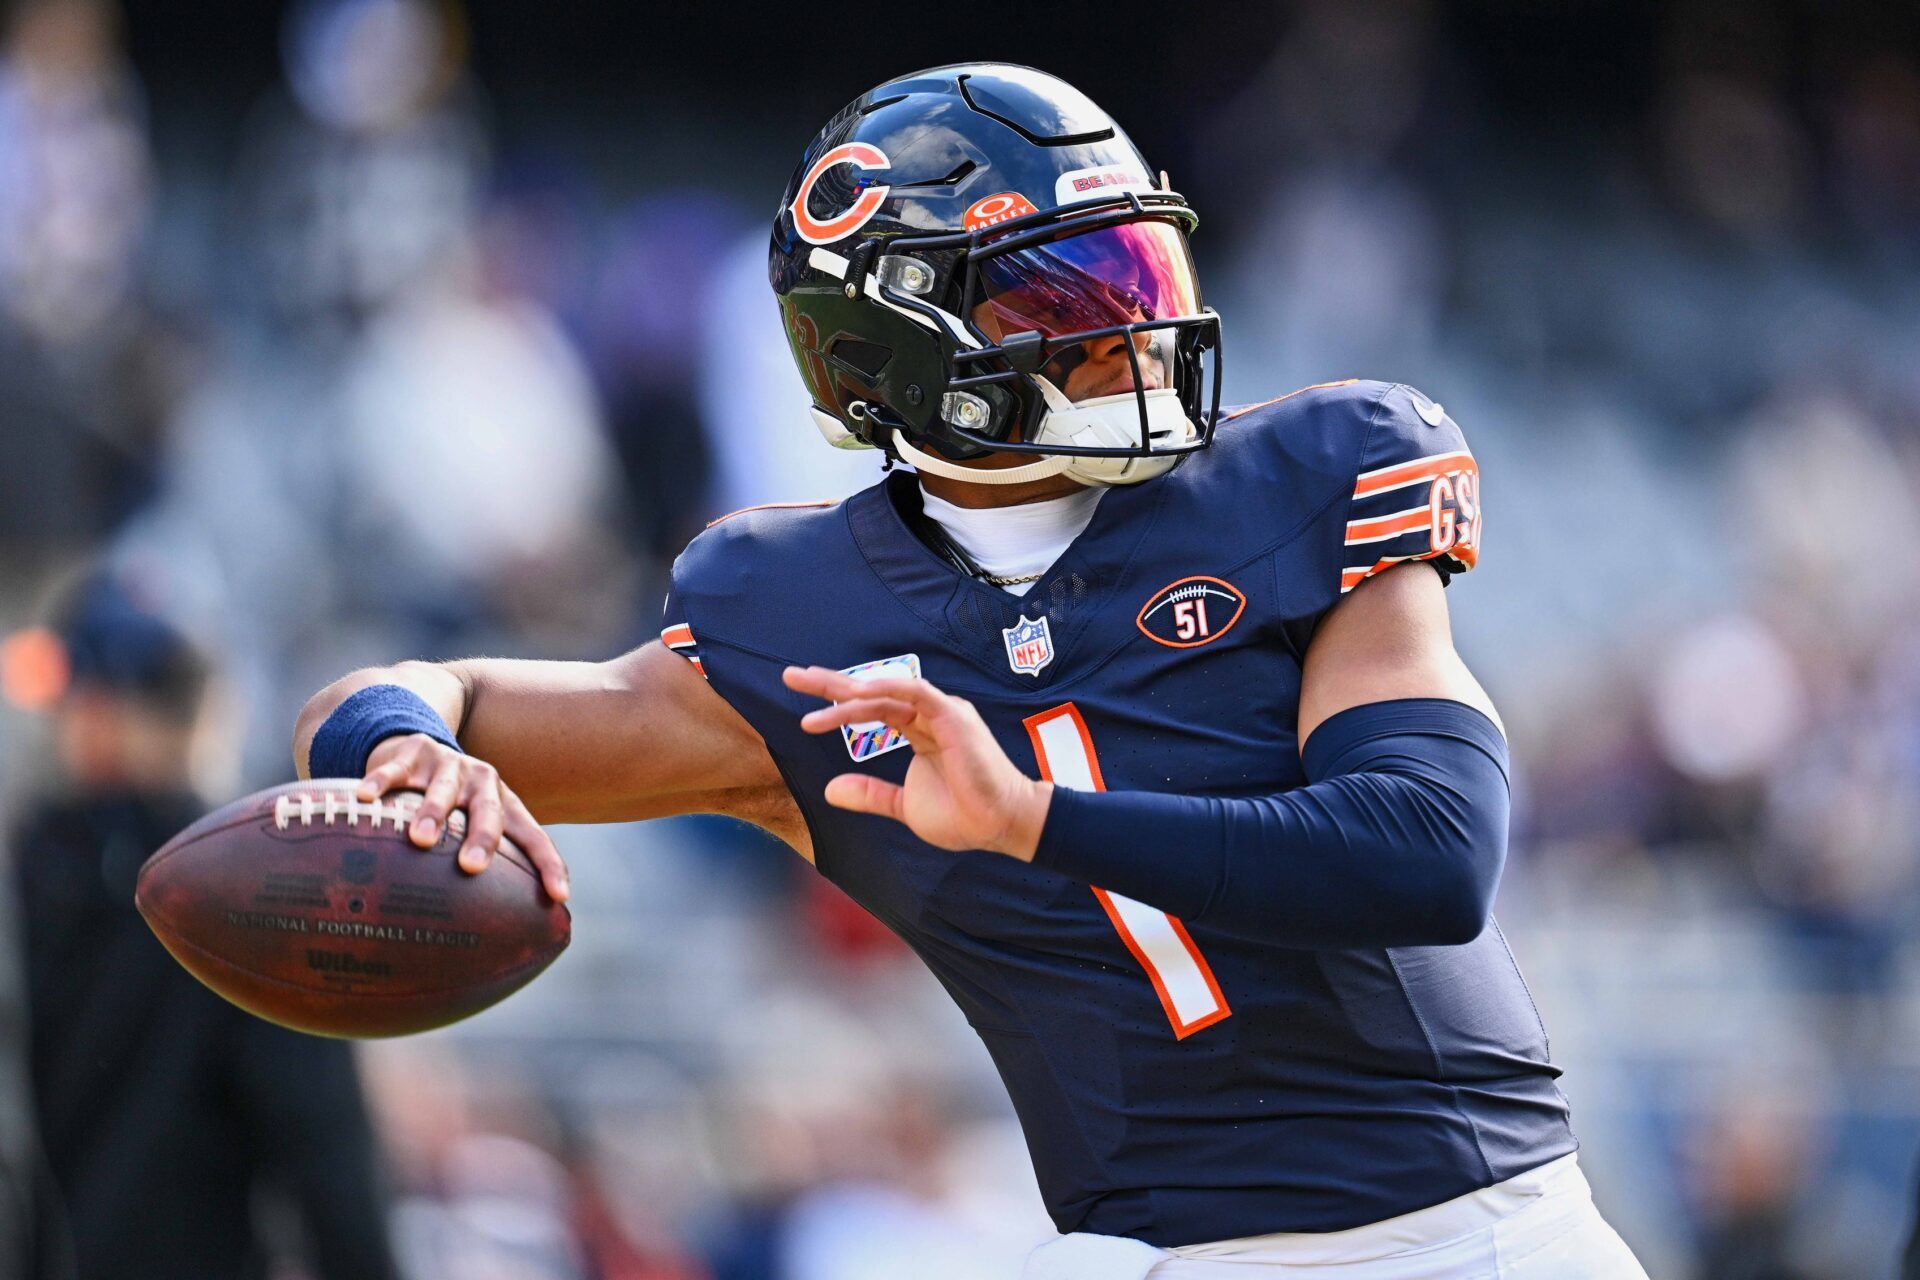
[[1397, 839]]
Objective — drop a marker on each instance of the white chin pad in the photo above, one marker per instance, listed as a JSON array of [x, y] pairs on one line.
[[1113, 422]]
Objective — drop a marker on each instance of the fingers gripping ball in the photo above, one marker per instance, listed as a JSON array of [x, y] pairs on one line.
[[311, 907]]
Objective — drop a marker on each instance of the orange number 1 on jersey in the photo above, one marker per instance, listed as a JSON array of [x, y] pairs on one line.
[[1187, 988]]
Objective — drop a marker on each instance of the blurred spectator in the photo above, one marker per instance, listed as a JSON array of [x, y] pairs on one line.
[[659, 294], [494, 479], [1736, 160], [81, 390], [165, 1109], [368, 176], [1752, 1167], [74, 175], [397, 447], [1353, 262], [494, 1191], [1876, 121]]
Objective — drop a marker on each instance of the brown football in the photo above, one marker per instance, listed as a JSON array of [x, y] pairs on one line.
[[312, 909]]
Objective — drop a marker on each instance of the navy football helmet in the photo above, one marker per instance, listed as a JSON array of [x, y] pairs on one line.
[[975, 259]]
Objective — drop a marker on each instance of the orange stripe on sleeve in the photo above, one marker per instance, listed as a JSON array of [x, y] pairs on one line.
[[677, 635], [1439, 464], [1392, 526], [1351, 578]]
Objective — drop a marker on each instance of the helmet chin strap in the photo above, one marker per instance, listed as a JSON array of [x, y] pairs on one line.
[[927, 463], [1086, 471], [1044, 468]]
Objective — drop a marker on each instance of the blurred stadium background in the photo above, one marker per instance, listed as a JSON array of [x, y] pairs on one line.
[[381, 328]]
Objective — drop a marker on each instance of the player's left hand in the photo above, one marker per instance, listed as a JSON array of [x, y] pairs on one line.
[[961, 791]]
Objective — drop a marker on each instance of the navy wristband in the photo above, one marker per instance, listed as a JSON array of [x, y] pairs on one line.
[[344, 741]]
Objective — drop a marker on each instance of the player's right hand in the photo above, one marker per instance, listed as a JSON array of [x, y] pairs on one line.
[[451, 780]]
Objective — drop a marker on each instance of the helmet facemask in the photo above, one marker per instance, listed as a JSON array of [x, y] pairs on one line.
[[1079, 338]]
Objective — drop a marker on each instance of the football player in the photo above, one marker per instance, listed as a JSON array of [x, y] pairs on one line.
[[1138, 720]]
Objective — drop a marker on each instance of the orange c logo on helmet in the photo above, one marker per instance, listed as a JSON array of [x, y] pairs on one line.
[[817, 231]]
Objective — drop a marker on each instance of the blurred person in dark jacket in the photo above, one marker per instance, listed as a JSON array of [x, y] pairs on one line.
[[1753, 1165], [164, 1109], [31, 1246]]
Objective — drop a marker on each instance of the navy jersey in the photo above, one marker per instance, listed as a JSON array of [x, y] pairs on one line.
[[1175, 1084]]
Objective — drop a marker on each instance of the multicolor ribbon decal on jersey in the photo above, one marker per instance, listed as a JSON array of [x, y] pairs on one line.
[[873, 738]]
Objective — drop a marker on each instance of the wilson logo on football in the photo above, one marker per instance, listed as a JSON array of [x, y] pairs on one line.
[[1191, 612], [841, 225], [1004, 207]]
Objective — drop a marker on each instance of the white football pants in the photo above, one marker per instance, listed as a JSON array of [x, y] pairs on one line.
[[1540, 1225]]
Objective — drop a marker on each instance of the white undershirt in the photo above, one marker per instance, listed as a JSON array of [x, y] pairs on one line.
[[1011, 542]]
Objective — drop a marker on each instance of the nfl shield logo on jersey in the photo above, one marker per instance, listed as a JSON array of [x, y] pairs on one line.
[[1029, 644]]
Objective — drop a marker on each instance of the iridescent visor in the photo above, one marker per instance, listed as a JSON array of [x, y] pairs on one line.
[[1127, 274]]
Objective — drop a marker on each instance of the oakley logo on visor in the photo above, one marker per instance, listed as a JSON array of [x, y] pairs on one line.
[[1004, 207], [825, 231]]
